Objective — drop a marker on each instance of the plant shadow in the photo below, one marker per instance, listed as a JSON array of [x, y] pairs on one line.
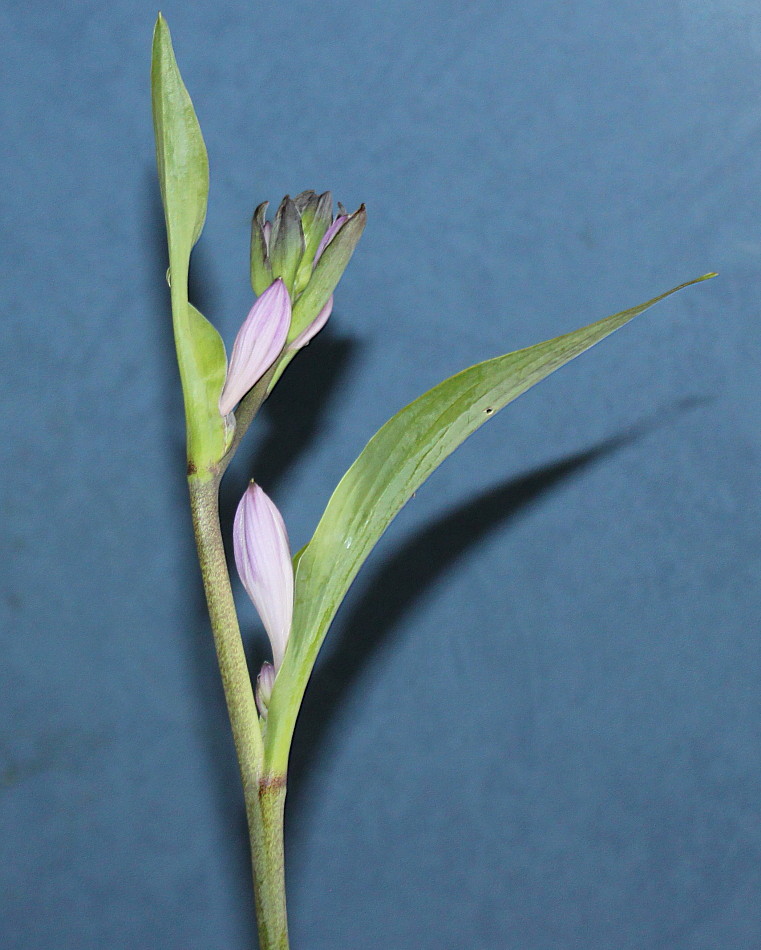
[[318, 372], [397, 582], [413, 568]]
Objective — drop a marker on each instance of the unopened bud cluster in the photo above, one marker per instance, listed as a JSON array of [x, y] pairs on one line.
[[296, 263]]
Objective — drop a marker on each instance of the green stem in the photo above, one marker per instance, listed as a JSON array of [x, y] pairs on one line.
[[267, 857], [264, 794], [236, 681]]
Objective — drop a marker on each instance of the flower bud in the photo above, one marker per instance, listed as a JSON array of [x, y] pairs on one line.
[[286, 243], [264, 684], [261, 268], [314, 327], [263, 559], [316, 217], [257, 345], [330, 262], [330, 234], [308, 250]]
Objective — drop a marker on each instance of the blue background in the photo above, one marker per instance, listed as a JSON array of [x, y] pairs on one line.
[[536, 723]]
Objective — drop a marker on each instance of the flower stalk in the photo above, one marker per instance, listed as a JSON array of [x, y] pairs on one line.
[[236, 681], [268, 861], [261, 352], [264, 794], [296, 262]]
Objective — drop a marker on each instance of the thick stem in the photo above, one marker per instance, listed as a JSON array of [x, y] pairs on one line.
[[239, 694], [267, 857], [264, 794]]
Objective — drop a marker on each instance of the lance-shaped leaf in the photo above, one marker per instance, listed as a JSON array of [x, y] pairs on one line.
[[327, 272], [393, 465], [183, 170]]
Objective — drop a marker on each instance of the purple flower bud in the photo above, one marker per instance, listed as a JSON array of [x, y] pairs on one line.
[[310, 251], [263, 559], [257, 345], [314, 327], [334, 228], [264, 683]]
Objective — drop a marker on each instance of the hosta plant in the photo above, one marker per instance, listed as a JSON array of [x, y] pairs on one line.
[[297, 258]]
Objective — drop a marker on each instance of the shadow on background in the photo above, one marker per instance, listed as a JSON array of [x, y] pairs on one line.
[[402, 578], [298, 410], [292, 416], [405, 575]]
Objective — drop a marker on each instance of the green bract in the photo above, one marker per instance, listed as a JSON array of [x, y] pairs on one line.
[[184, 179], [288, 248]]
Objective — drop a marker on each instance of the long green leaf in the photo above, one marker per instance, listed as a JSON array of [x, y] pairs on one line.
[[393, 465], [183, 169]]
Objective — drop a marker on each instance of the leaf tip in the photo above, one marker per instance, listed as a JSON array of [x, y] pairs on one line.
[[161, 38]]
